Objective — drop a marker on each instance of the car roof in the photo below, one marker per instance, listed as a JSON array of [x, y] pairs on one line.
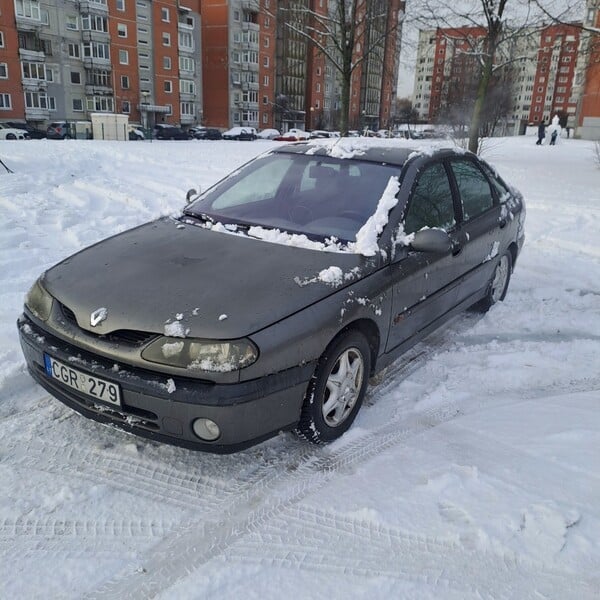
[[395, 155]]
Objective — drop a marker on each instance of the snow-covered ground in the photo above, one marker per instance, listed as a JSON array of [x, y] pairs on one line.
[[473, 470]]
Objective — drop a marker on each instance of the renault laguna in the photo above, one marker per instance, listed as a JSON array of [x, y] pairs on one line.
[[275, 295]]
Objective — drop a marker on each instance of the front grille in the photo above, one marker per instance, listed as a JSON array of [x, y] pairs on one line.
[[121, 336]]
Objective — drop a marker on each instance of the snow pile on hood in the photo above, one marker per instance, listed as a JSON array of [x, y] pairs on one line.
[[366, 238]]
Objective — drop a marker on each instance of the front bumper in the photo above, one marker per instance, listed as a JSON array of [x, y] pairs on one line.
[[247, 413]]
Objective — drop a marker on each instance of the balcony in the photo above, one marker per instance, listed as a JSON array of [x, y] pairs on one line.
[[187, 119], [34, 85], [93, 63], [250, 26], [32, 55], [187, 96], [95, 36], [250, 5], [27, 23], [98, 90], [37, 114], [88, 6]]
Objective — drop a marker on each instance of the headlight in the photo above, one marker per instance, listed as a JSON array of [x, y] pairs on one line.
[[39, 301], [203, 355]]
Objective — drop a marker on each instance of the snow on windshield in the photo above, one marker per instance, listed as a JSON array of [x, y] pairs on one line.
[[367, 236]]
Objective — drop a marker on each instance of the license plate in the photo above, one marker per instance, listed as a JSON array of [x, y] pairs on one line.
[[83, 382]]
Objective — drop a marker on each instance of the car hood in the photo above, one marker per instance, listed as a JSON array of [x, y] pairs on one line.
[[218, 285]]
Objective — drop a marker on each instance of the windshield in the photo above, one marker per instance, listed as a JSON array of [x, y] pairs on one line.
[[321, 197]]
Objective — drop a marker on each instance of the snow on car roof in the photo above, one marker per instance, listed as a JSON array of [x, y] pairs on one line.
[[390, 154]]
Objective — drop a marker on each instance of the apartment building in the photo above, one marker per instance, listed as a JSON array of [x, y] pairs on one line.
[[541, 73], [65, 59], [588, 76], [238, 55]]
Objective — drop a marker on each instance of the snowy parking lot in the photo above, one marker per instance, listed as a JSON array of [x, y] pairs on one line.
[[472, 470]]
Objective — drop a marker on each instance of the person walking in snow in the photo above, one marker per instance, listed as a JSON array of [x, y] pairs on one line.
[[553, 137], [541, 133]]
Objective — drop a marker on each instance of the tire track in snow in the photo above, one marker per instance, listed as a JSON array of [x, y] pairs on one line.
[[374, 550], [23, 536], [197, 542]]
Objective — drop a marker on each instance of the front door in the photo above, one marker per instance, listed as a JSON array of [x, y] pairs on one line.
[[424, 284]]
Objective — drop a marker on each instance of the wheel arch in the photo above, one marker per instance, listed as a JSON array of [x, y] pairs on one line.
[[514, 251], [370, 330]]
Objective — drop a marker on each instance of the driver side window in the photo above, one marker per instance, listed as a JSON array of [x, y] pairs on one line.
[[431, 202]]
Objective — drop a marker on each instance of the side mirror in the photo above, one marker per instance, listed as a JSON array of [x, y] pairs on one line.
[[190, 194], [436, 241]]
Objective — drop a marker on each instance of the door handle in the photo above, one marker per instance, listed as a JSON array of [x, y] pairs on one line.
[[456, 248], [503, 223]]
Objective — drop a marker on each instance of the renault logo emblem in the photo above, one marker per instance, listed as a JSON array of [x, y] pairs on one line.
[[98, 316]]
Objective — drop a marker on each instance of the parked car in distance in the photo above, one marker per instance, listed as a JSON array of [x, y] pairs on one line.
[[135, 133], [171, 133], [205, 133], [321, 133], [12, 133], [58, 130], [32, 132], [268, 134], [240, 133], [284, 337], [293, 135]]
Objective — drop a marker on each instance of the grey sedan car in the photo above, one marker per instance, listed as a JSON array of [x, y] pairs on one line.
[[275, 295]]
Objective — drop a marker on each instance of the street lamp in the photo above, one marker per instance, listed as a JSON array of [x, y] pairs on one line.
[[144, 111]]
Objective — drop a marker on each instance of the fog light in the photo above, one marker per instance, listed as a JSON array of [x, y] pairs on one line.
[[206, 429]]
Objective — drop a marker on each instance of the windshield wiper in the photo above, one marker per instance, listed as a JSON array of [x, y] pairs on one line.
[[200, 216]]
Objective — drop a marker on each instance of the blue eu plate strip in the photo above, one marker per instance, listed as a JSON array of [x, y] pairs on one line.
[[48, 365]]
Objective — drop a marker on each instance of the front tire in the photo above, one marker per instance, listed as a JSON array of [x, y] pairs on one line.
[[336, 391], [498, 286], [11, 136]]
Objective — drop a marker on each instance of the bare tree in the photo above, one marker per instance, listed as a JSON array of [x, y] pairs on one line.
[[504, 23], [349, 33]]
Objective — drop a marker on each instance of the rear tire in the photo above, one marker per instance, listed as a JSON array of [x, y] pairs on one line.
[[336, 391], [498, 286]]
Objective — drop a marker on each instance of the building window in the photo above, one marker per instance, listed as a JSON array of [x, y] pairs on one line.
[[28, 8], [76, 77], [71, 23], [36, 100], [94, 23], [124, 57], [167, 63], [77, 104], [265, 118], [186, 86], [186, 64], [186, 41], [265, 100], [189, 21], [122, 30], [265, 80], [96, 50], [125, 107], [1, 40], [236, 15], [125, 82], [318, 87], [5, 103], [121, 5], [164, 15], [3, 71], [267, 22], [169, 109], [34, 70], [265, 61], [100, 104], [168, 87], [187, 109], [267, 42], [166, 39]]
